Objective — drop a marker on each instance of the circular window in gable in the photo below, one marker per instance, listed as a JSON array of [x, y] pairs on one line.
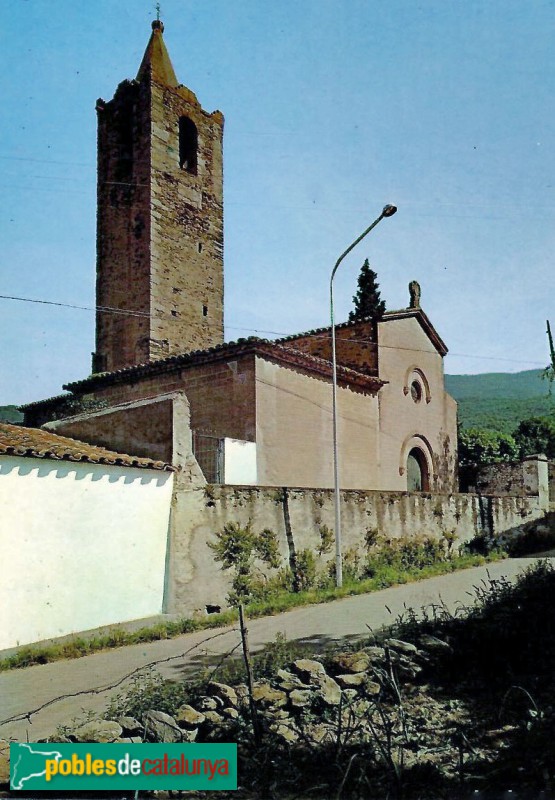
[[416, 391]]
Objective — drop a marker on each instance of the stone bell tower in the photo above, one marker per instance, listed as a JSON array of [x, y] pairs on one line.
[[159, 283]]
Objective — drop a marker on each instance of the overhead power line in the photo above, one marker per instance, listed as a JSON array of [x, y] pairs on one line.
[[282, 334], [107, 309]]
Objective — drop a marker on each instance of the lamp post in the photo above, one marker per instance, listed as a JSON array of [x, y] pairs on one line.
[[387, 211]]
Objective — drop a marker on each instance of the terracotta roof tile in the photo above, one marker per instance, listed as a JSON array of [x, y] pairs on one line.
[[15, 440], [251, 345], [389, 316], [345, 375]]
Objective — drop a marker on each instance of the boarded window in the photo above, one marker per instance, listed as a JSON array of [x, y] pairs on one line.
[[188, 145]]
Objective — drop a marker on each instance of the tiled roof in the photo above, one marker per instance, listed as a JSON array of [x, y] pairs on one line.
[[46, 401], [253, 344], [389, 316], [345, 375], [324, 330], [276, 350], [159, 366], [15, 440]]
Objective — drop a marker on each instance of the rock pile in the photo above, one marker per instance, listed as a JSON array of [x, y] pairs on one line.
[[373, 696], [304, 703]]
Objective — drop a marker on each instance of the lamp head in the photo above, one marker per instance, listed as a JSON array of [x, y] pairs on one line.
[[388, 211]]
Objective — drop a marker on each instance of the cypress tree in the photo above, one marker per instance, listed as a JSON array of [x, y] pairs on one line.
[[367, 300]]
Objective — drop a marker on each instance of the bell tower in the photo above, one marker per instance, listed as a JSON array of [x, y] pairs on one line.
[[159, 279]]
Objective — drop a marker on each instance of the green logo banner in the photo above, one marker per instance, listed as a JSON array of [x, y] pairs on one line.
[[101, 767]]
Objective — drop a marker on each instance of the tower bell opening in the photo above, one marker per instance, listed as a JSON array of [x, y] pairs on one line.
[[188, 145]]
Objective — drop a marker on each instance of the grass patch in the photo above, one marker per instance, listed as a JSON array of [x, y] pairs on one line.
[[384, 576], [476, 720], [162, 694]]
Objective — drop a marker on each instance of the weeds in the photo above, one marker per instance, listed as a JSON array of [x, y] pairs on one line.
[[327, 538], [236, 549], [404, 554], [431, 736], [151, 691], [536, 540], [267, 597]]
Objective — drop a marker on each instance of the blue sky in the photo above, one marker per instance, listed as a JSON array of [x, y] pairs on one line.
[[333, 108]]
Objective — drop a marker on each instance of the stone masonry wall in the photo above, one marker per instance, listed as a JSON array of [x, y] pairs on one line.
[[159, 227], [142, 429], [355, 345], [221, 395], [123, 227], [158, 428], [196, 580], [526, 478], [187, 271]]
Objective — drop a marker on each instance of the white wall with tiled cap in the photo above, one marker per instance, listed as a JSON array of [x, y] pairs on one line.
[[83, 546]]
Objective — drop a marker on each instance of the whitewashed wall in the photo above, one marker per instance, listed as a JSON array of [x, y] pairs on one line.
[[82, 545], [239, 462]]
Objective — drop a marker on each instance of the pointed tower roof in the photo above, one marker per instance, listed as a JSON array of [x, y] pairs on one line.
[[156, 60]]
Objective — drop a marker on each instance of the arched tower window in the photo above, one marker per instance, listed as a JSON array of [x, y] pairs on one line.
[[418, 477], [188, 145]]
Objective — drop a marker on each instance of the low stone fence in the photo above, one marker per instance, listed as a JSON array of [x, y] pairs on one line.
[[526, 478], [299, 517]]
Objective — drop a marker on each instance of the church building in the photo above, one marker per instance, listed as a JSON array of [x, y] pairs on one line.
[[164, 384]]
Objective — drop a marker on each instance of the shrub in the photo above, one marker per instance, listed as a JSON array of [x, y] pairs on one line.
[[305, 568], [150, 691], [536, 435], [535, 540], [352, 564], [404, 554], [327, 537], [236, 548], [483, 544]]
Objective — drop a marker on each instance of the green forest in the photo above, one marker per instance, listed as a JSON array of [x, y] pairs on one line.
[[498, 401], [10, 414], [512, 385], [502, 417]]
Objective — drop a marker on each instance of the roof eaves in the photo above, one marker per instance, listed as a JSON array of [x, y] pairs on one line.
[[163, 365], [319, 365], [325, 329], [45, 402], [15, 440]]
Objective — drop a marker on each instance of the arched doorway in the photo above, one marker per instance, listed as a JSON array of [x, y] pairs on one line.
[[418, 476]]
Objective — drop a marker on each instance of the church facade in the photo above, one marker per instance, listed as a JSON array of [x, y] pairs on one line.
[[165, 385]]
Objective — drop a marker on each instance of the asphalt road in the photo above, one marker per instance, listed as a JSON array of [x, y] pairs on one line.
[[89, 682]]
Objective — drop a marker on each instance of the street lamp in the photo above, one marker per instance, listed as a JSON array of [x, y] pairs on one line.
[[387, 211]]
